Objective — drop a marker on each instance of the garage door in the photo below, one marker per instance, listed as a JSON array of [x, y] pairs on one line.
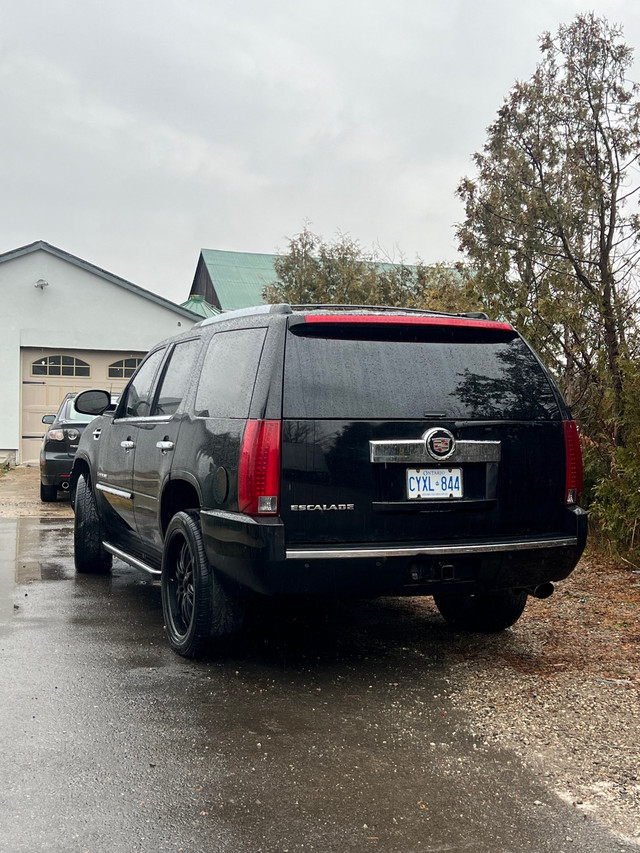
[[47, 375]]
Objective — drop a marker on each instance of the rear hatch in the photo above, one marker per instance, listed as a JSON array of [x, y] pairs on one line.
[[417, 429]]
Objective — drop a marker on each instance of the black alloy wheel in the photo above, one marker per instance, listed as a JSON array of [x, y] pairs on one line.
[[196, 607], [184, 598]]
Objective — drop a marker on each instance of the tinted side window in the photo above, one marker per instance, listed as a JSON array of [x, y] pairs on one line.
[[229, 374], [137, 402], [392, 379], [176, 375]]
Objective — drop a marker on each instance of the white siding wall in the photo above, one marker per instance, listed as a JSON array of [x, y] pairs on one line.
[[78, 310]]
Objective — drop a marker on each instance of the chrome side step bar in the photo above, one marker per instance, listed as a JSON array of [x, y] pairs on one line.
[[132, 561]]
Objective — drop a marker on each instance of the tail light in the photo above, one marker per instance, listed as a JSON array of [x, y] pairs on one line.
[[573, 462], [259, 471]]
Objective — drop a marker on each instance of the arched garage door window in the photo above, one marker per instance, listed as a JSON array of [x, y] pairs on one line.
[[60, 365], [124, 368]]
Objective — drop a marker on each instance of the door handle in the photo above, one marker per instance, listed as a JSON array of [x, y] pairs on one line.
[[164, 446], [128, 444]]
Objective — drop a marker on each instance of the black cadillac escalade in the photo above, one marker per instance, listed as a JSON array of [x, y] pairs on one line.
[[334, 451]]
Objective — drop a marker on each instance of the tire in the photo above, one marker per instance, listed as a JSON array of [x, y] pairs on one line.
[[48, 494], [486, 612], [89, 555], [198, 611]]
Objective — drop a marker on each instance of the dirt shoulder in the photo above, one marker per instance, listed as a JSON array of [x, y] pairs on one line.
[[20, 495], [561, 689]]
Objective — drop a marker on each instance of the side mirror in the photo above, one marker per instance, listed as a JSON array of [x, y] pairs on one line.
[[48, 419], [92, 402]]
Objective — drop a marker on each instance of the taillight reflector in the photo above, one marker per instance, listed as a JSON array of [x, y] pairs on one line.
[[573, 457], [407, 320], [259, 470]]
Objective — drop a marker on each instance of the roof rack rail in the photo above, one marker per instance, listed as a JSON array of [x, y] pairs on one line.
[[278, 308], [472, 315], [284, 308]]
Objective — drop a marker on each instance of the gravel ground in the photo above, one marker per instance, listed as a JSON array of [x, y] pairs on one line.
[[564, 691], [20, 495], [561, 689]]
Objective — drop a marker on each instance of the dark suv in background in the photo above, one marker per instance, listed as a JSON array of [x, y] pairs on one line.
[[337, 452]]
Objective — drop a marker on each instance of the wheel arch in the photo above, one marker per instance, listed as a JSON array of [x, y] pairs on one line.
[[178, 496]]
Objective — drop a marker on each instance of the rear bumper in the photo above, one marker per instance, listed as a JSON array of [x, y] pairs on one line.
[[55, 468], [252, 554]]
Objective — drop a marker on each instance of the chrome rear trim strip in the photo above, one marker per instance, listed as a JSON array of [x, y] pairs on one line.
[[111, 491], [414, 450], [430, 550], [239, 517], [132, 561]]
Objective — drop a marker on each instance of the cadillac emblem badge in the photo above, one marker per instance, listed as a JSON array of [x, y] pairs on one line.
[[440, 443]]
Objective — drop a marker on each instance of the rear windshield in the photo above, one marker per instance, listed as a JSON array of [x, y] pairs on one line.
[[404, 376], [69, 413]]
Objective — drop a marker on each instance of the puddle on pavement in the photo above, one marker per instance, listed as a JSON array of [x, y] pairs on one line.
[[32, 549]]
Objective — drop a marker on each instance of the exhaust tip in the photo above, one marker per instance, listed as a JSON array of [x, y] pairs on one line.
[[543, 590]]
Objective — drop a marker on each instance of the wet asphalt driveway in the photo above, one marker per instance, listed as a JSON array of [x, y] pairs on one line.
[[329, 730]]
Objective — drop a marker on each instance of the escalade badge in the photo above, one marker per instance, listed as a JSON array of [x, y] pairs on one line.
[[321, 507], [440, 443]]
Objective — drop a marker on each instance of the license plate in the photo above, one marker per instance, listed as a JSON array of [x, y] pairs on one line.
[[443, 483]]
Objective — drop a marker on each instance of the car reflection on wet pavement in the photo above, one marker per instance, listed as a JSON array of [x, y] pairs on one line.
[[39, 551], [328, 729]]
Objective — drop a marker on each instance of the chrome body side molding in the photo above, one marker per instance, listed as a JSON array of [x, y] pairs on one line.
[[118, 493]]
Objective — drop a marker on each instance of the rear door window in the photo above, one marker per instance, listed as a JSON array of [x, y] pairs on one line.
[[175, 379], [403, 374], [229, 374]]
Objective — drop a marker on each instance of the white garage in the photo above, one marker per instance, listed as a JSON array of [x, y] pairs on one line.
[[68, 325], [49, 374]]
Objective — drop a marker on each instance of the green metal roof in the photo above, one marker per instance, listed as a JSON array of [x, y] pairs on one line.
[[198, 305], [239, 277], [227, 281]]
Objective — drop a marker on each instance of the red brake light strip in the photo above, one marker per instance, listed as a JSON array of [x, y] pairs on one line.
[[397, 320]]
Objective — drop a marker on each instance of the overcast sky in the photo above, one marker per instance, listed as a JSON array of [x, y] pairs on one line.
[[136, 132]]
